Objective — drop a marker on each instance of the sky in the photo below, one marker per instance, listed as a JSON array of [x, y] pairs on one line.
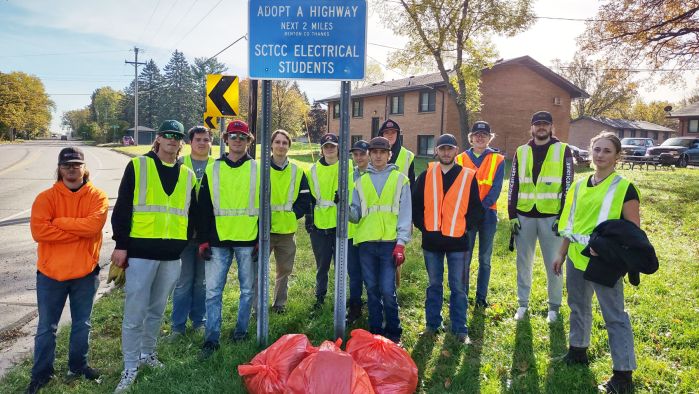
[[77, 46]]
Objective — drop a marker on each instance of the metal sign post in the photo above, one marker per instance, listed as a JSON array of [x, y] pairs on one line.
[[342, 213], [264, 218], [221, 143]]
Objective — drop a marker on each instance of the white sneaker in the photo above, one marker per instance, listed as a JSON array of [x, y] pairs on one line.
[[552, 317], [128, 376], [150, 360], [521, 311]]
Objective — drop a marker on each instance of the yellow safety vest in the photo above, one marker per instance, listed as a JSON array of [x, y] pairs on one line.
[[285, 190], [155, 214], [585, 208], [323, 182], [546, 193], [404, 160], [235, 195], [379, 221]]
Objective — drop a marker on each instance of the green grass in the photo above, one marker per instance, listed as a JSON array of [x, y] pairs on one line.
[[506, 356]]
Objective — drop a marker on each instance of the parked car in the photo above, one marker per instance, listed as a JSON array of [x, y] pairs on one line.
[[64, 137], [580, 156], [128, 140], [679, 151], [635, 146]]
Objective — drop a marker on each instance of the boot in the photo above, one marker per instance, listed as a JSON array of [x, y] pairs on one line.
[[576, 356], [355, 312], [620, 382]]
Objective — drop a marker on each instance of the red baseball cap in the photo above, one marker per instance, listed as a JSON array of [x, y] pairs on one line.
[[238, 127]]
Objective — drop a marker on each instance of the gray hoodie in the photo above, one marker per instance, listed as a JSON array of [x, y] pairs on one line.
[[405, 213]]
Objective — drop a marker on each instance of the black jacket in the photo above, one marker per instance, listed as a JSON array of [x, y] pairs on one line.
[[621, 247]]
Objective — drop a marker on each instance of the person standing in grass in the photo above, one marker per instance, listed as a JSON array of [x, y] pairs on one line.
[[489, 167], [152, 222], [542, 171], [321, 222], [190, 291], [290, 200], [446, 205], [381, 207], [66, 222], [360, 157], [602, 196]]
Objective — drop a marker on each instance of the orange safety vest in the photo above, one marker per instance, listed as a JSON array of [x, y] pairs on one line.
[[485, 173], [447, 213]]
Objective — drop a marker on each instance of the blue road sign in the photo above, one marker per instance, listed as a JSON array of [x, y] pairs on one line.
[[307, 39]]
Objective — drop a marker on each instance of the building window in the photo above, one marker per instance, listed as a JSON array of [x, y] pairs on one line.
[[336, 110], [693, 126], [644, 134], [655, 135], [427, 101], [396, 104], [425, 145], [356, 138], [632, 133], [357, 108], [666, 135]]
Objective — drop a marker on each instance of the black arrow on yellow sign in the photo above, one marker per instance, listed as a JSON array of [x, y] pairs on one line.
[[210, 122], [222, 98]]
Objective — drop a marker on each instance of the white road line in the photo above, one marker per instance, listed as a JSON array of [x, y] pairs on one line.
[[15, 215]]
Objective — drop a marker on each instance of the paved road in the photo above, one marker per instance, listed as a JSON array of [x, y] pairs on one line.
[[25, 170]]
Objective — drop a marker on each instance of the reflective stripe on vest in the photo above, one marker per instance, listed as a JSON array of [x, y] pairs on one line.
[[379, 221], [544, 194], [285, 188], [438, 209], [235, 199], [323, 188], [485, 174], [404, 160], [251, 209], [156, 214]]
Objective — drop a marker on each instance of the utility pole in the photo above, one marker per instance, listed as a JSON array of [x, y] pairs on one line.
[[135, 93]]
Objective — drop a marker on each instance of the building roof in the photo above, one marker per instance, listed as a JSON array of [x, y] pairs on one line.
[[626, 124], [433, 80], [141, 128], [690, 110]]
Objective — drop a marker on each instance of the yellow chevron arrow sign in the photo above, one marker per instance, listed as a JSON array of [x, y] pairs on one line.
[[222, 98]]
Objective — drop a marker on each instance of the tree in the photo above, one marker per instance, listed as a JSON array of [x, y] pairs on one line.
[[653, 112], [76, 119], [316, 122], [105, 109], [24, 105], [201, 67], [150, 96], [289, 107], [611, 88], [454, 31], [660, 33], [180, 100], [373, 74]]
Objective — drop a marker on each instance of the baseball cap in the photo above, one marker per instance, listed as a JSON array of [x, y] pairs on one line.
[[329, 138], [379, 143], [171, 126], [542, 116], [71, 154], [238, 127], [389, 124], [446, 139], [481, 127], [360, 145]]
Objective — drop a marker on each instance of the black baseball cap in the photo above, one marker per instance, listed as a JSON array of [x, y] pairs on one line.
[[542, 116], [389, 124], [71, 154], [360, 145], [379, 143], [446, 139], [329, 138], [481, 127]]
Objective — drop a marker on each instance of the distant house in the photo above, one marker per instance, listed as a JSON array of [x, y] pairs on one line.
[[146, 135], [512, 90], [689, 119], [583, 129]]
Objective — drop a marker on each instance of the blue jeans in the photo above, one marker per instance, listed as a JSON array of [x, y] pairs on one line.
[[51, 297], [379, 273], [189, 296], [216, 275], [458, 283], [486, 235], [354, 270]]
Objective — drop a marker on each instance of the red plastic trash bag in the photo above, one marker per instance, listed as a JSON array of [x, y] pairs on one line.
[[330, 370], [269, 370], [389, 366]]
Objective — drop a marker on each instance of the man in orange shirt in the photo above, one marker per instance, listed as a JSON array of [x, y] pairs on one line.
[[67, 222]]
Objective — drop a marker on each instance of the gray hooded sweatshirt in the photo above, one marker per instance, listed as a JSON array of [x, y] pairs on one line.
[[405, 213]]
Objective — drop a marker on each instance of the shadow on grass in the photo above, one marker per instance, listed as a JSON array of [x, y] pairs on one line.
[[421, 354], [470, 374], [524, 377]]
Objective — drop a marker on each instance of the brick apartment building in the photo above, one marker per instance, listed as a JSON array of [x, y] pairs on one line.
[[512, 90], [689, 119], [583, 129]]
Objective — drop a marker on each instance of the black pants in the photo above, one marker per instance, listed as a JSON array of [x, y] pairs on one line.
[[323, 244]]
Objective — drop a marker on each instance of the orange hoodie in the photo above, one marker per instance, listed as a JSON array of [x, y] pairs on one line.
[[68, 227]]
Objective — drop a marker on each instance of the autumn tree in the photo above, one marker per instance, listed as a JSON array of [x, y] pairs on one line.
[[373, 74], [453, 36], [24, 106], [653, 111], [105, 109], [659, 33], [612, 88], [289, 106]]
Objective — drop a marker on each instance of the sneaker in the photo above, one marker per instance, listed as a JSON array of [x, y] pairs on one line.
[[463, 338], [319, 303], [620, 382], [576, 356], [482, 304], [279, 309], [150, 360], [552, 317], [208, 349], [355, 312], [37, 384], [521, 312], [128, 376], [173, 337], [88, 372], [238, 336]]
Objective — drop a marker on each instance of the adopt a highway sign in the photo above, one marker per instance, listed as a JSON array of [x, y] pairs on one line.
[[222, 98], [307, 39]]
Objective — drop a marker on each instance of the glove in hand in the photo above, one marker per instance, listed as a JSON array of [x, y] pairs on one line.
[[204, 251], [515, 226], [399, 255]]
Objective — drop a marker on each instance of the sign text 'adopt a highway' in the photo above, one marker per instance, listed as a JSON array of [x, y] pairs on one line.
[[307, 39]]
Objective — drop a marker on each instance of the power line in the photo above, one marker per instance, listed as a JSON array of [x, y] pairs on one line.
[[160, 26], [63, 53], [224, 49], [145, 27], [197, 24]]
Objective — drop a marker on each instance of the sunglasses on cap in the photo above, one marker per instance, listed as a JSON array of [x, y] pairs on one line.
[[237, 136], [68, 166], [170, 136]]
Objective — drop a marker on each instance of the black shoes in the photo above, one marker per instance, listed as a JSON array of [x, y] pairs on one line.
[[208, 349], [320, 300], [238, 336], [620, 382], [355, 313], [576, 356], [88, 372], [279, 309], [37, 384]]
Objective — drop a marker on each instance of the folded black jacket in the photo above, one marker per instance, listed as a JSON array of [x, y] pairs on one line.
[[621, 247]]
